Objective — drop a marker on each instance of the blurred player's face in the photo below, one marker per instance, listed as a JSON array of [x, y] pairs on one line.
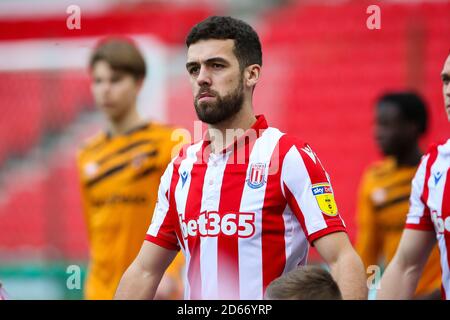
[[446, 86], [393, 133], [216, 79], [114, 92]]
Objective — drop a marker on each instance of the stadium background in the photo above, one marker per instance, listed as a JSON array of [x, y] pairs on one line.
[[323, 69]]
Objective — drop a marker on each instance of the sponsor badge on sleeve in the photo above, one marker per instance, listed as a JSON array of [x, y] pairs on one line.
[[325, 198]]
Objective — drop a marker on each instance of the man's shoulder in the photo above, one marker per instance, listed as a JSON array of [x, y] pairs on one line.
[[186, 149], [293, 149], [158, 130], [380, 168], [91, 143], [154, 126], [289, 141], [441, 147], [167, 134]]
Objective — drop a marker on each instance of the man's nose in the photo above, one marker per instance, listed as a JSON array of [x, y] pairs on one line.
[[106, 86], [204, 77]]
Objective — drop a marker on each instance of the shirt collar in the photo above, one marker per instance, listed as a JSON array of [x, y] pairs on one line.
[[253, 133], [140, 127]]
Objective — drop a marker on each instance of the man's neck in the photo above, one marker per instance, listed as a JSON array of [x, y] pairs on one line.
[[125, 123], [225, 132], [410, 157]]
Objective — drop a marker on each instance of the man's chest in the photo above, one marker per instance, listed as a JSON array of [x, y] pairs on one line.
[[438, 200], [219, 199]]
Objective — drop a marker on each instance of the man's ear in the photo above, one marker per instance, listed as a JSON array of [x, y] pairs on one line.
[[139, 83], [251, 75]]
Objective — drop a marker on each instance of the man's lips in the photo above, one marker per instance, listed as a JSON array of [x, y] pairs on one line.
[[108, 105], [205, 96]]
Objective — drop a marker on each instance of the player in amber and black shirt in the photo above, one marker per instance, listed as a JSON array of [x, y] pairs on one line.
[[386, 186], [120, 169]]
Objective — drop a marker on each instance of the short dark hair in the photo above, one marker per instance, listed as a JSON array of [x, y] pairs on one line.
[[247, 46], [121, 54], [411, 106], [304, 283]]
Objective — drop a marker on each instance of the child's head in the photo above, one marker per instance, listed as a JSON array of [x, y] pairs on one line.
[[304, 283]]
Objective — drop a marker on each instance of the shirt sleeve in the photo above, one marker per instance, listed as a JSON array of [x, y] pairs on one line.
[[309, 193], [162, 228], [419, 217]]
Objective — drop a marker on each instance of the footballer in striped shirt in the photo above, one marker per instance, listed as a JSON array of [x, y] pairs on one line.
[[428, 220], [244, 203]]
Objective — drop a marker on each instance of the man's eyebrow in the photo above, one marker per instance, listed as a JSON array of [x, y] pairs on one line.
[[118, 73], [445, 76], [217, 59], [190, 64], [208, 61]]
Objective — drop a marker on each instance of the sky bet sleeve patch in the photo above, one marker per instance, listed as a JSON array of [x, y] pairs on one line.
[[325, 198]]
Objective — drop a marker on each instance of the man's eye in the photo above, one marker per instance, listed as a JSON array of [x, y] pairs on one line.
[[193, 70], [217, 66]]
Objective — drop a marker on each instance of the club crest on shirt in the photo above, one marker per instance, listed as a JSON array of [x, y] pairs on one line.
[[379, 196], [325, 198], [90, 169], [257, 175]]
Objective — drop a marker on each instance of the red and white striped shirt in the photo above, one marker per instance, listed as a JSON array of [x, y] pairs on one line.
[[430, 204], [244, 216]]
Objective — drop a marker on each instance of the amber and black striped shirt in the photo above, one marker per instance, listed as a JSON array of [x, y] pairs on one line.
[[382, 208], [119, 179]]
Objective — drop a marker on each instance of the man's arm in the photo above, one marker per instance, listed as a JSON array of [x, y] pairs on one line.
[[345, 265], [400, 279], [171, 285], [142, 277]]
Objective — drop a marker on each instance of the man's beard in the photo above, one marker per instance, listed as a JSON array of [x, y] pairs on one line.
[[223, 108]]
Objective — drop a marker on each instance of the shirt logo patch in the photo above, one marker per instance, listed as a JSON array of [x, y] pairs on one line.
[[325, 198], [379, 196], [90, 169], [257, 175], [184, 177], [437, 177]]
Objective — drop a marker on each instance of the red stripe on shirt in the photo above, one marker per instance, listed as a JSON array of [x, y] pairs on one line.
[[426, 218], [273, 242], [173, 210], [171, 194], [192, 211], [315, 170], [233, 184], [161, 242], [167, 232], [295, 208], [317, 174], [228, 245], [446, 214]]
